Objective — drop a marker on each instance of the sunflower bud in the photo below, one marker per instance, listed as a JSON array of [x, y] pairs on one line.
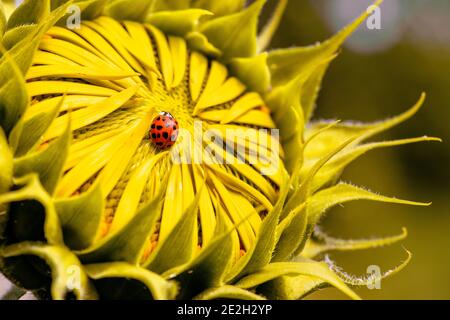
[[158, 152]]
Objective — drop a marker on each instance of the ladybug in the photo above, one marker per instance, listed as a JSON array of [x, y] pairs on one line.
[[164, 130]]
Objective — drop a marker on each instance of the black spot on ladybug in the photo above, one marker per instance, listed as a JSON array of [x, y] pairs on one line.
[[153, 136], [159, 127], [159, 135], [174, 127], [165, 135], [153, 126]]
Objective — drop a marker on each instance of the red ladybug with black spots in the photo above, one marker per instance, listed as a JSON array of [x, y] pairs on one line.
[[164, 130]]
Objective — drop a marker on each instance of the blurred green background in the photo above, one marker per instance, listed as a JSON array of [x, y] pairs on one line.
[[381, 73]]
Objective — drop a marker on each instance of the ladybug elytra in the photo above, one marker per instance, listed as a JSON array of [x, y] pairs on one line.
[[164, 130]]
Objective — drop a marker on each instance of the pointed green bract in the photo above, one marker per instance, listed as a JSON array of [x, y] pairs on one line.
[[341, 193], [135, 10], [228, 292], [177, 22], [235, 35], [29, 12], [179, 247], [65, 268], [33, 129], [292, 236], [261, 253], [159, 288], [48, 164], [13, 95], [291, 287], [81, 217], [22, 53], [311, 268], [120, 246], [2, 20], [28, 191], [323, 243], [253, 72], [287, 64], [341, 131], [13, 36], [6, 163], [267, 33], [164, 5], [198, 41], [89, 9], [211, 265], [219, 7], [370, 280], [331, 171]]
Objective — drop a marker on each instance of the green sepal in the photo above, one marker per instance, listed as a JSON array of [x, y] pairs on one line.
[[294, 216], [134, 10], [2, 20], [178, 23], [288, 64], [324, 135], [33, 129], [368, 280], [228, 292], [180, 245], [331, 171], [260, 253], [253, 72], [29, 12], [90, 9], [308, 268], [48, 164], [219, 7], [23, 52], [29, 206], [94, 9], [159, 288], [81, 217], [292, 235], [284, 99], [198, 41], [291, 287], [67, 274], [209, 268], [6, 164], [301, 192], [321, 243], [341, 193], [13, 95], [127, 243], [235, 34], [13, 36], [293, 149], [171, 5]]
